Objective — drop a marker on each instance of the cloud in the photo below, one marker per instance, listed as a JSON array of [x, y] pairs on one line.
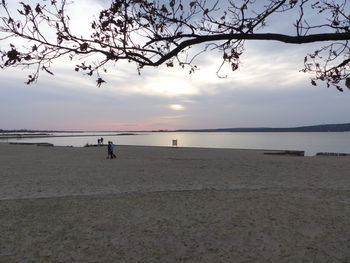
[[267, 90]]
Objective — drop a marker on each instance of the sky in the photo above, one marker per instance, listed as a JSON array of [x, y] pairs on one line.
[[268, 90]]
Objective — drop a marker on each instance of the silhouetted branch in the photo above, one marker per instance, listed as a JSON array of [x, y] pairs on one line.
[[152, 33]]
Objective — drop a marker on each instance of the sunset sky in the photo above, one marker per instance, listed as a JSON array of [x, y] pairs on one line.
[[267, 91]]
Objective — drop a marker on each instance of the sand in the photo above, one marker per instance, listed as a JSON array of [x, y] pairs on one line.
[[160, 204]]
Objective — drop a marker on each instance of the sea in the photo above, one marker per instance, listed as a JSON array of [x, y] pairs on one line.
[[310, 142]]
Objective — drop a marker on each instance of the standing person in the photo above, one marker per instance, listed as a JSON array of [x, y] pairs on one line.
[[109, 150], [98, 141], [112, 150], [101, 140]]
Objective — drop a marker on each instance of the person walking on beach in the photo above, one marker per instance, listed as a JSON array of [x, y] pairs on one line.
[[101, 140], [112, 151], [110, 147]]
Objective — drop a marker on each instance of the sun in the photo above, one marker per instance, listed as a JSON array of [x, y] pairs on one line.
[[177, 107]]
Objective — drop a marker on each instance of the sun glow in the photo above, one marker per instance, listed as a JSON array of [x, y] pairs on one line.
[[177, 107]]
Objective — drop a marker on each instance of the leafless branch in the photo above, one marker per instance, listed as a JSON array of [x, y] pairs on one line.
[[152, 33]]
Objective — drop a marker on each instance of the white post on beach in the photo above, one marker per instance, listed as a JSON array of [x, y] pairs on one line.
[[175, 143]]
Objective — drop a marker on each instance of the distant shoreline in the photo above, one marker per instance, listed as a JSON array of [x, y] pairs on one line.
[[343, 127], [26, 135]]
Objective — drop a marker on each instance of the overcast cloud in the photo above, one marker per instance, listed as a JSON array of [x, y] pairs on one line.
[[268, 90]]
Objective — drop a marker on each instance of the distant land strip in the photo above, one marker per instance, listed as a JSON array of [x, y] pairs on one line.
[[315, 128], [17, 136], [343, 127]]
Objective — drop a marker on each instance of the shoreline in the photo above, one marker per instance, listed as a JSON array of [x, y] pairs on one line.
[[311, 144], [31, 136], [266, 151]]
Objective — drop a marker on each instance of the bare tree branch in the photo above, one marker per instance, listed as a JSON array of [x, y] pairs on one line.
[[152, 33]]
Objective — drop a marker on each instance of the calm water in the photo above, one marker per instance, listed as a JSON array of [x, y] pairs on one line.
[[310, 142]]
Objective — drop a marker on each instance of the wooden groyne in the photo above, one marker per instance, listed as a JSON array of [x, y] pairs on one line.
[[332, 154], [33, 143], [291, 153]]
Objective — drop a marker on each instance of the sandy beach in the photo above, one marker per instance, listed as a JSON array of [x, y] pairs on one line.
[[162, 204]]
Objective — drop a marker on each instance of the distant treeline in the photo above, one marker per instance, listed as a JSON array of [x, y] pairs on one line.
[[30, 131], [315, 128], [22, 131]]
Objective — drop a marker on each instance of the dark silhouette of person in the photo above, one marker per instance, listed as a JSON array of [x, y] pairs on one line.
[[110, 147]]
